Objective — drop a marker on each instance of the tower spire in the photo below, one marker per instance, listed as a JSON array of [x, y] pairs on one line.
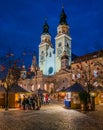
[[63, 17], [45, 27]]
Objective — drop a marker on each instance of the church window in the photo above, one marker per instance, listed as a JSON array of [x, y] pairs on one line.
[[42, 52], [50, 54], [67, 45], [59, 45]]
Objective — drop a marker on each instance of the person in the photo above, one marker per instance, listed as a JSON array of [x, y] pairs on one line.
[[30, 102], [46, 97], [49, 100], [89, 105], [44, 100], [23, 102], [19, 101], [33, 102], [38, 102], [26, 103]]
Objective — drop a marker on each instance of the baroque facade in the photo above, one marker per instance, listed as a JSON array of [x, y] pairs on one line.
[[56, 69]]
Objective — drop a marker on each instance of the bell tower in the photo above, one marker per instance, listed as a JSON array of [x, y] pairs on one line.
[[62, 40], [43, 47]]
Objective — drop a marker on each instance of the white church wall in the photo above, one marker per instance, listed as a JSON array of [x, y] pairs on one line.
[[50, 62]]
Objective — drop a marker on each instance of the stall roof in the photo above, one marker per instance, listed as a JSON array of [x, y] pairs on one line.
[[98, 89], [75, 88], [13, 89], [17, 89]]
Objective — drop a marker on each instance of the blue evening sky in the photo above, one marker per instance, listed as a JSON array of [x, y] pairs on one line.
[[21, 23]]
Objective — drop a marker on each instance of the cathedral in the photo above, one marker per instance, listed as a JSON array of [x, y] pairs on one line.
[[57, 69], [50, 59]]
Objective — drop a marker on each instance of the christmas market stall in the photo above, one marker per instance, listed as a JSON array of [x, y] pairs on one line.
[[72, 99], [98, 91], [16, 93]]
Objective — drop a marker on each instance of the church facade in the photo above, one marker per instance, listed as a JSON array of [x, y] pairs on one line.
[[50, 58]]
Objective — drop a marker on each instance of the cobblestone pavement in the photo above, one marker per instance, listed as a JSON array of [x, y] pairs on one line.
[[50, 117]]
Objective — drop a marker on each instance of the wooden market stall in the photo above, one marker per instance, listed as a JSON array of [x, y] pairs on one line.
[[14, 94], [72, 95]]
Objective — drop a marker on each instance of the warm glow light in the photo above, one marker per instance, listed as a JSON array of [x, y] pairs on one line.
[[92, 94], [45, 87], [38, 86], [32, 88]]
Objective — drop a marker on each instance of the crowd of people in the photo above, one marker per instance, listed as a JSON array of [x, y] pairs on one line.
[[33, 102]]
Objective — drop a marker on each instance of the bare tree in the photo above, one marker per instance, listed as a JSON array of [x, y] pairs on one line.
[[10, 74]]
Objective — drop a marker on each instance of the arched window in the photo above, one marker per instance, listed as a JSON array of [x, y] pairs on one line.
[[67, 45], [59, 45], [42, 52], [50, 54]]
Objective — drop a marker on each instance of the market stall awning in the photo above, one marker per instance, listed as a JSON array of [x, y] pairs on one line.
[[75, 88]]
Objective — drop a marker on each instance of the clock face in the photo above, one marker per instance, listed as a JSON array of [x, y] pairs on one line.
[[59, 51]]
